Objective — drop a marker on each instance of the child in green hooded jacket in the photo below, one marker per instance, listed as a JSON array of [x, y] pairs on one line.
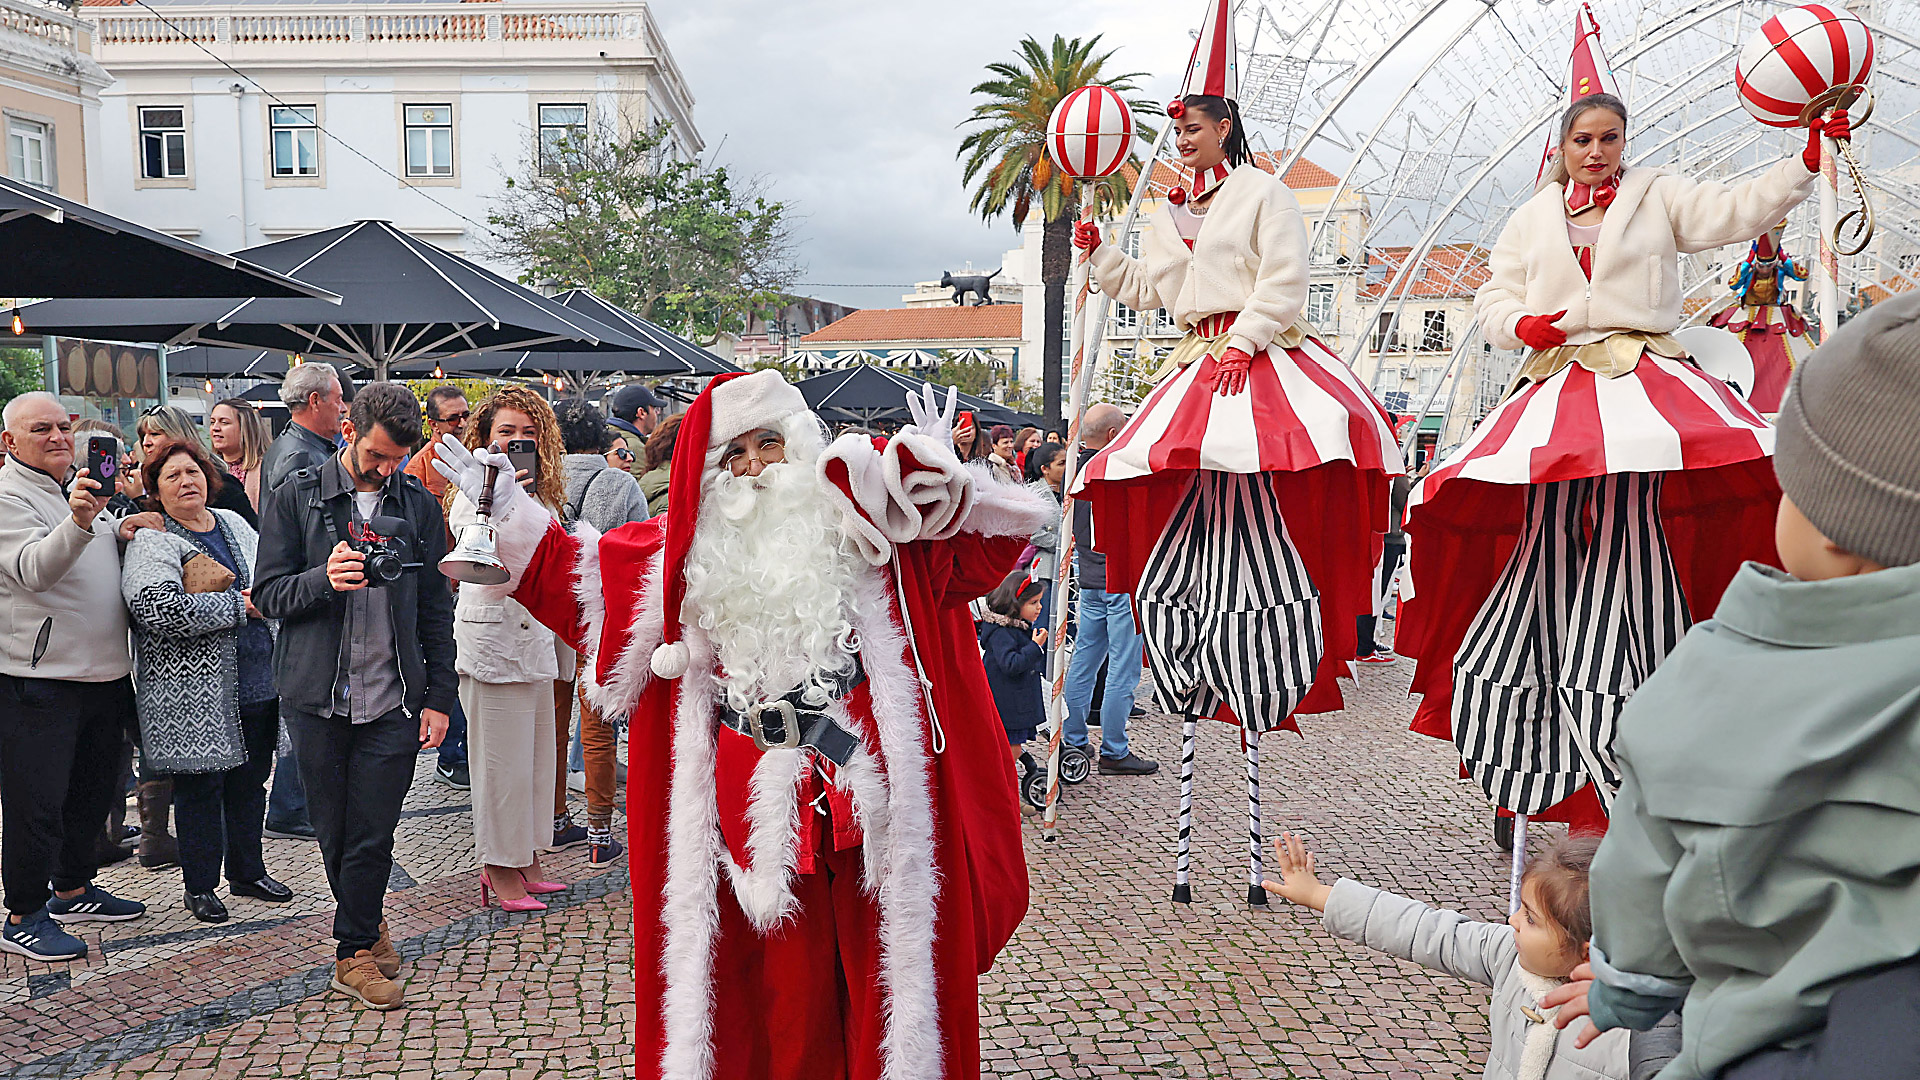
[[1764, 850]]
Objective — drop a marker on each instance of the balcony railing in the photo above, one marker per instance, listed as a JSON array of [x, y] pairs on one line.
[[439, 22], [34, 21]]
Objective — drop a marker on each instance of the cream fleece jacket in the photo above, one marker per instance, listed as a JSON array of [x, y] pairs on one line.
[[58, 580], [1636, 262], [1250, 258]]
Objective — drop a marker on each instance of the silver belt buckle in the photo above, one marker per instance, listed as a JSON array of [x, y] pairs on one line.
[[789, 725]]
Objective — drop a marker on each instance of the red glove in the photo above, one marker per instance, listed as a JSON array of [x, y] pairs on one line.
[[1230, 373], [1539, 331], [1086, 235], [1836, 127]]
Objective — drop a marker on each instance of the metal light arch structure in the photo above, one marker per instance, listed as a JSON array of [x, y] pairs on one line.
[[1476, 103]]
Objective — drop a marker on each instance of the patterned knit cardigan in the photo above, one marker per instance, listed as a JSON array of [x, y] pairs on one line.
[[186, 649]]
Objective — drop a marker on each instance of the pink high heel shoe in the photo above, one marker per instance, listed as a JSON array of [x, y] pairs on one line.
[[541, 888], [524, 903]]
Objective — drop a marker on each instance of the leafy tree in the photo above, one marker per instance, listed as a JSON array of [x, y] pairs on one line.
[[679, 244], [1006, 154], [21, 371]]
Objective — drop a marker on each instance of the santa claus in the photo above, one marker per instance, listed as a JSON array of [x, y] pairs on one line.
[[825, 844]]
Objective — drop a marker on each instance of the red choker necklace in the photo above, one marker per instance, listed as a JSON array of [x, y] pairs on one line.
[[1583, 197], [1206, 180]]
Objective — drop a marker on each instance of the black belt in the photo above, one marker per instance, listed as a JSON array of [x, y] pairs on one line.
[[788, 722]]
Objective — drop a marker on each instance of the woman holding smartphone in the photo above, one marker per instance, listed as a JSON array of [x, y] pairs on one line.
[[509, 665]]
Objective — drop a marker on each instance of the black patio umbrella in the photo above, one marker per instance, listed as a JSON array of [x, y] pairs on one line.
[[698, 359], [209, 362], [50, 246], [401, 300], [866, 395]]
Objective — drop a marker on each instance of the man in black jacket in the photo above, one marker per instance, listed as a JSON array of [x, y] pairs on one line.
[[364, 660], [316, 397]]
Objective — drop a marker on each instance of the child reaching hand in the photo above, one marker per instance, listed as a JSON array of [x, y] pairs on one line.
[[1522, 959]]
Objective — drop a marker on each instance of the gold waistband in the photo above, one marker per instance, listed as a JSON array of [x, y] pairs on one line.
[[1193, 347], [1610, 357]]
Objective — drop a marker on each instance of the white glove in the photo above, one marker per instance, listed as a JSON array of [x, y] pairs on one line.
[[467, 470], [928, 416]]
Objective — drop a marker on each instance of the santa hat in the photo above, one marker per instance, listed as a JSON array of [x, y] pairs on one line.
[[1214, 68], [728, 408]]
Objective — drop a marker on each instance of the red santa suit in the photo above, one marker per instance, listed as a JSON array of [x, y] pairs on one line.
[[794, 918]]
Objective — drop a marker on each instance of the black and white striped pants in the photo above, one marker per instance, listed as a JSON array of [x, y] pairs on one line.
[[1226, 606], [1586, 608]]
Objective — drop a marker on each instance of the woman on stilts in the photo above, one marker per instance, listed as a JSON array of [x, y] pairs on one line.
[[1565, 547], [1238, 506]]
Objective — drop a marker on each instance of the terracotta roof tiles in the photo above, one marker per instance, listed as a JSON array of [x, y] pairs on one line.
[[931, 322]]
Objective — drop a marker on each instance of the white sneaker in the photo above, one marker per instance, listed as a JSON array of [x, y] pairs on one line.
[[577, 781]]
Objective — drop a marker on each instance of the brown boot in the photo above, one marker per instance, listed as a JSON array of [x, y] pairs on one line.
[[360, 977], [158, 849], [384, 954]]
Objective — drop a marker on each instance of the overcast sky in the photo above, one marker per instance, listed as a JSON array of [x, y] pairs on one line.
[[849, 108]]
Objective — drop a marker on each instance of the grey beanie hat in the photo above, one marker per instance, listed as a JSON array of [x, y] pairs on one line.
[[1848, 453]]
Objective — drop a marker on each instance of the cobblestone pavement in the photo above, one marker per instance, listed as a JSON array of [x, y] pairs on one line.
[[1105, 978]]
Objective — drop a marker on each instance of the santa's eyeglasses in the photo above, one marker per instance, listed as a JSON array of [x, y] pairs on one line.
[[763, 447]]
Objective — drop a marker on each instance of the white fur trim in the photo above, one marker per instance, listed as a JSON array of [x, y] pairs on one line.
[[632, 669], [1003, 509], [689, 912], [865, 511], [765, 886], [760, 400], [939, 494], [896, 816], [669, 661], [910, 1047]]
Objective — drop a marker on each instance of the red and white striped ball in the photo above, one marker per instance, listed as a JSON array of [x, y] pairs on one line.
[[1798, 55], [1090, 132]]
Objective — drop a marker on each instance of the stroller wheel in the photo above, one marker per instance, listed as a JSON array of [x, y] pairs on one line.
[[1033, 782], [1503, 832], [1074, 764]]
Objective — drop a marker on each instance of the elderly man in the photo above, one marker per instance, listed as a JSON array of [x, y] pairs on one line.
[[825, 846], [66, 699], [1106, 634], [317, 402]]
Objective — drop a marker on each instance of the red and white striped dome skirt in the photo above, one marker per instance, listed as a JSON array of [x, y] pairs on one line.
[[1303, 407]]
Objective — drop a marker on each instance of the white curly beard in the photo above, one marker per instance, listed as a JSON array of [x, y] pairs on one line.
[[769, 578]]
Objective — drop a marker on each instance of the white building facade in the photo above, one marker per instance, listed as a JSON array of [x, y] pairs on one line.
[[416, 113]]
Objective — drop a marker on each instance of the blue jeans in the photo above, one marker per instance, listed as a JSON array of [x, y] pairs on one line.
[[1106, 635], [287, 803], [453, 748]]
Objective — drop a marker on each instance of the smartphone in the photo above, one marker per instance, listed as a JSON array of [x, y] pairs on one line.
[[525, 455], [103, 463]]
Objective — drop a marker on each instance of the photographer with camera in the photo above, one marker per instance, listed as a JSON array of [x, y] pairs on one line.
[[364, 660]]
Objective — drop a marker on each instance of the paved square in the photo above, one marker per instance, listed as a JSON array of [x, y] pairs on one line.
[[1105, 978]]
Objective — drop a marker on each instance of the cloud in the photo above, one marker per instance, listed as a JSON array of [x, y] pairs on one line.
[[850, 109]]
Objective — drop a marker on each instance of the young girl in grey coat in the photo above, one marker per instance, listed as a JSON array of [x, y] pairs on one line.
[[1522, 959]]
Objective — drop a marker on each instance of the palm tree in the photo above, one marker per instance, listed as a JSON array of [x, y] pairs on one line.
[[1007, 154]]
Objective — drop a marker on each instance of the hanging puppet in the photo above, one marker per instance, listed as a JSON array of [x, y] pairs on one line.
[[825, 846], [1239, 505], [1765, 320], [1564, 548]]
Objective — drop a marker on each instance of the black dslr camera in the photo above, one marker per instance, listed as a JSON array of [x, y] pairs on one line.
[[384, 546]]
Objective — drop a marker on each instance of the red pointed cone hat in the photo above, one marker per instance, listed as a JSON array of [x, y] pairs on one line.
[[1215, 65]]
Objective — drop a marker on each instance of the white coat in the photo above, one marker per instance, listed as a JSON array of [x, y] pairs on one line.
[[1482, 953], [495, 639], [1636, 261], [1250, 257]]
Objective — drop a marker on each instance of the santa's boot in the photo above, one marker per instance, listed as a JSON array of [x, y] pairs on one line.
[[158, 848]]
